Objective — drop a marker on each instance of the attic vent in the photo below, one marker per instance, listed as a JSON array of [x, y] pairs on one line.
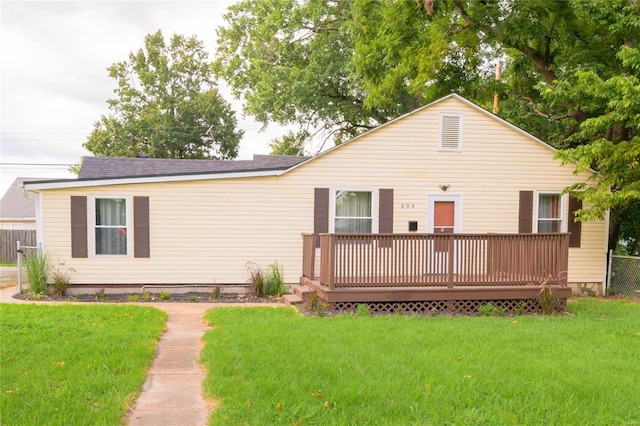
[[451, 132]]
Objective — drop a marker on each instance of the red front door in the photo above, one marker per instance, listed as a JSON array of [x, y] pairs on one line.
[[443, 217]]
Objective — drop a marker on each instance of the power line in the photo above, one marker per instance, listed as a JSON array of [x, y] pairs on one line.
[[35, 164]]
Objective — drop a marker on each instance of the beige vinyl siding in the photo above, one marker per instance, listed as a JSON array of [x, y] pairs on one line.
[[206, 231]]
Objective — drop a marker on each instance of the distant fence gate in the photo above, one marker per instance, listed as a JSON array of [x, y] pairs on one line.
[[8, 240], [624, 275]]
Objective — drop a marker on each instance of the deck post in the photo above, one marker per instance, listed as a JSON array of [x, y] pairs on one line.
[[450, 262]]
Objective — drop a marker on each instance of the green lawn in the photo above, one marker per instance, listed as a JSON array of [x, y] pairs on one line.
[[73, 364], [273, 366]]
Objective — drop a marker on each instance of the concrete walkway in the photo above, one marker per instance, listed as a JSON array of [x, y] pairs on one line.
[[172, 393]]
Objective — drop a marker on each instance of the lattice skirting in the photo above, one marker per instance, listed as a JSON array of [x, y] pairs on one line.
[[514, 306]]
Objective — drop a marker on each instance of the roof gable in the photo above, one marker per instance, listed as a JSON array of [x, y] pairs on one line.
[[15, 203]]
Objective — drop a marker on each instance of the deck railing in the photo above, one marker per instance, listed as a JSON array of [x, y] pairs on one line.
[[410, 260]]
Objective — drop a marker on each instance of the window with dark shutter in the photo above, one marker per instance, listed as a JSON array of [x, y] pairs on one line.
[[79, 245], [141, 246], [320, 213], [385, 215], [525, 217], [575, 227]]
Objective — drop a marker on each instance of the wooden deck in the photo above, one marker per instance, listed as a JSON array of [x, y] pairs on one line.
[[469, 268]]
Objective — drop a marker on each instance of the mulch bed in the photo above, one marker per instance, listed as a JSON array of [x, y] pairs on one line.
[[192, 297]]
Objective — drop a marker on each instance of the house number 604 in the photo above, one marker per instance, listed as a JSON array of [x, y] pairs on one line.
[[407, 206]]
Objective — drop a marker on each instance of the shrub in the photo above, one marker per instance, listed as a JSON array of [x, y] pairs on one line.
[[274, 282], [61, 277], [146, 296], [256, 278], [216, 291], [362, 310], [133, 298], [165, 295], [36, 267], [490, 310]]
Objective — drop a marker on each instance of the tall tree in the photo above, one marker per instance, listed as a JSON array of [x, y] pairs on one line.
[[390, 57], [166, 106]]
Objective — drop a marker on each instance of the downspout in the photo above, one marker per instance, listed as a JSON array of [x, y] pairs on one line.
[[607, 266]]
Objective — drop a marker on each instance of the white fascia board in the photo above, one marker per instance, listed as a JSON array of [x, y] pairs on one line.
[[147, 179]]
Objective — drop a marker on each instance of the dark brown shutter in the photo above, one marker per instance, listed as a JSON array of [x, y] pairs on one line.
[[525, 218], [385, 207], [79, 227], [385, 215], [141, 246], [574, 227], [320, 213]]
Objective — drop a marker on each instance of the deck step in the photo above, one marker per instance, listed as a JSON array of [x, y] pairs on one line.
[[292, 299], [301, 290]]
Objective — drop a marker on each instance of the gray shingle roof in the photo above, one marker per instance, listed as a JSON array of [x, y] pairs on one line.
[[15, 204], [120, 167]]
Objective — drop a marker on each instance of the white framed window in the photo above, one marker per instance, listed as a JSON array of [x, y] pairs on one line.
[[111, 226], [353, 211], [550, 212], [450, 132]]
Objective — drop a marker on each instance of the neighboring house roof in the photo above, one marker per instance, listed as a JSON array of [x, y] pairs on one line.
[[115, 170], [119, 167], [15, 204]]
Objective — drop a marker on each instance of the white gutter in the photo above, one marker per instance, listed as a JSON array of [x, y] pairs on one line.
[[147, 179]]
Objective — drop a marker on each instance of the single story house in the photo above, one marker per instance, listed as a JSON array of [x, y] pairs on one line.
[[17, 207], [448, 196]]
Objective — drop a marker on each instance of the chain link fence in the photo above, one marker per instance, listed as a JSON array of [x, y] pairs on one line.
[[624, 276], [23, 255]]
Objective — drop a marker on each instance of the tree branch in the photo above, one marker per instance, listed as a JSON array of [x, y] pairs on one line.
[[570, 114]]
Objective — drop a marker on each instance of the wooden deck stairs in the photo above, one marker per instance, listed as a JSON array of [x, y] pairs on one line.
[[300, 293]]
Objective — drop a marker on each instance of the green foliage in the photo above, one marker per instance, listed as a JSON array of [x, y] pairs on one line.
[[146, 296], [289, 144], [274, 280], [256, 278], [490, 310], [37, 267], [166, 106], [340, 68], [393, 370], [101, 295], [362, 310], [61, 277], [165, 295], [133, 298], [74, 364]]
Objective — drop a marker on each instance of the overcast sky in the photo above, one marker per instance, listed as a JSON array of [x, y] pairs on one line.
[[54, 82]]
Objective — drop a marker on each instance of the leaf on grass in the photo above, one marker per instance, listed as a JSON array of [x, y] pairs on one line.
[[326, 405], [278, 406], [317, 394], [59, 363], [248, 404], [467, 376], [428, 386]]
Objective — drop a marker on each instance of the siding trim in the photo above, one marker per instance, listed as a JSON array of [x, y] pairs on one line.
[[79, 243]]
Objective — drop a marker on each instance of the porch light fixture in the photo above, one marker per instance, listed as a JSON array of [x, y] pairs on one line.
[[444, 187]]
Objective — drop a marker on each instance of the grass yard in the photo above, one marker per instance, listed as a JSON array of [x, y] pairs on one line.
[[273, 366], [74, 364]]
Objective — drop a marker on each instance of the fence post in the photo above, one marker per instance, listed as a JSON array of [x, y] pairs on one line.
[[19, 264], [607, 279]]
